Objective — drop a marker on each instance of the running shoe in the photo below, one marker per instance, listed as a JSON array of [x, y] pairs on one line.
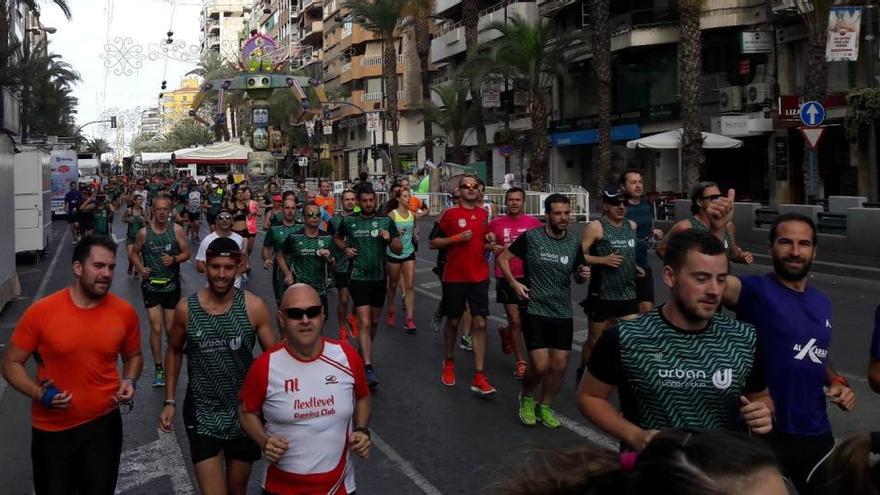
[[448, 377], [389, 317], [372, 379], [159, 378], [520, 372], [506, 340], [481, 385], [466, 342], [410, 326], [527, 410], [436, 322], [353, 324], [547, 417]]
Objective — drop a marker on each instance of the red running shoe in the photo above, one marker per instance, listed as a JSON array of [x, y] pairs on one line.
[[448, 377], [506, 340], [481, 385], [410, 326], [389, 318], [520, 372], [353, 324]]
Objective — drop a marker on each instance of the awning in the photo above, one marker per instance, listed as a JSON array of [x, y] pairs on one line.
[[591, 136], [215, 154], [671, 140], [154, 158]]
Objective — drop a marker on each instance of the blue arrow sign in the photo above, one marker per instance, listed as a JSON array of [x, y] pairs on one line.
[[812, 113]]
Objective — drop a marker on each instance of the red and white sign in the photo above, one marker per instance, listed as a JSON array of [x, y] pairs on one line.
[[812, 135], [790, 106]]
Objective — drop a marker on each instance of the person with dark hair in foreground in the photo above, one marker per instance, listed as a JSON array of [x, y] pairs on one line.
[[679, 462], [851, 470]]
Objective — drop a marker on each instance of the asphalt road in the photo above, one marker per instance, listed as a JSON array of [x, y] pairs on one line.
[[427, 438]]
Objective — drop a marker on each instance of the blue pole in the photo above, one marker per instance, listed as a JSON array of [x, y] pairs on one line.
[[811, 182]]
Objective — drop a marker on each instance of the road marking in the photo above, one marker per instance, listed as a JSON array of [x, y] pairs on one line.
[[405, 467], [154, 460], [432, 285], [41, 290], [590, 434], [424, 269]]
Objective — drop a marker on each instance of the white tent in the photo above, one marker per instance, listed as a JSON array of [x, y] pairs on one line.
[[221, 153], [671, 140]]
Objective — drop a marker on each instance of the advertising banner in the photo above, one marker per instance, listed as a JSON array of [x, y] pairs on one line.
[[843, 34], [64, 171]]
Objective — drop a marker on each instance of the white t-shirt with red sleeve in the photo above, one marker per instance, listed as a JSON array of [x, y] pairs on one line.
[[507, 229], [311, 404]]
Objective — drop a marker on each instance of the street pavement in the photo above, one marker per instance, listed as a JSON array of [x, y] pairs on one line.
[[427, 438]]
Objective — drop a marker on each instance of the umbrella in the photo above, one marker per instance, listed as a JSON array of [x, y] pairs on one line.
[[671, 140]]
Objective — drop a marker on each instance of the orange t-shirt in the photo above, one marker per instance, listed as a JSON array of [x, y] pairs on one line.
[[78, 349], [326, 202]]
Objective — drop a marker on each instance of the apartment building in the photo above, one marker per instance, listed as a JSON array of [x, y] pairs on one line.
[[151, 122], [222, 24], [176, 103]]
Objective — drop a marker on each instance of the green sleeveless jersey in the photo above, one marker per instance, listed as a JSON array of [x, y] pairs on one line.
[[362, 233], [686, 379], [215, 201], [699, 226], [102, 221], [342, 264], [406, 228], [162, 278], [219, 351], [548, 264], [137, 223], [615, 284], [307, 267], [274, 239]]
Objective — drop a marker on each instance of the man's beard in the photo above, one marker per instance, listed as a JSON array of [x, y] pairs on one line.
[[789, 274], [691, 312]]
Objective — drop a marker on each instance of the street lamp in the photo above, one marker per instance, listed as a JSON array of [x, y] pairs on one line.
[[47, 30]]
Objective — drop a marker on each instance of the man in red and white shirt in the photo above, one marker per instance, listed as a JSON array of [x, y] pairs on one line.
[[306, 402], [465, 279]]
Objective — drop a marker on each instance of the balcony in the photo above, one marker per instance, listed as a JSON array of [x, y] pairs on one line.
[[549, 8], [311, 4], [312, 32], [450, 40]]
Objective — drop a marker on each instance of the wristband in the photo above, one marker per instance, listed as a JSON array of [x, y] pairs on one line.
[[362, 429], [171, 403], [48, 395], [840, 379], [131, 381], [456, 238]]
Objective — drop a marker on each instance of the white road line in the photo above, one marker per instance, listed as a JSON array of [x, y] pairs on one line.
[[157, 459], [405, 467], [41, 290]]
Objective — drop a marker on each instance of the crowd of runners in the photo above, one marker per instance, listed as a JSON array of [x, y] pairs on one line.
[[708, 401]]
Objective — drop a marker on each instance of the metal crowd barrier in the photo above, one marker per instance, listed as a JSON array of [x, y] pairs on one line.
[[534, 204]]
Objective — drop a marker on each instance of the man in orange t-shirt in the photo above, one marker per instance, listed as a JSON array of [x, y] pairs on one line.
[[78, 334], [324, 199]]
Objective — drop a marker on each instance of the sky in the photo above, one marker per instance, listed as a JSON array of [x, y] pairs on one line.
[[138, 27]]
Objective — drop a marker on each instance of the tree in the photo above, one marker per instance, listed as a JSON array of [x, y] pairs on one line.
[[150, 143], [98, 146], [384, 18], [421, 15], [453, 116], [187, 133], [470, 12], [691, 70], [534, 53], [601, 44], [5, 22]]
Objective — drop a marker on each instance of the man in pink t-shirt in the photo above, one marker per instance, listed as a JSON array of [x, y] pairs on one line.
[[505, 230]]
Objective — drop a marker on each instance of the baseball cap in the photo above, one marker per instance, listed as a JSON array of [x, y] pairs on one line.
[[613, 195], [223, 246]]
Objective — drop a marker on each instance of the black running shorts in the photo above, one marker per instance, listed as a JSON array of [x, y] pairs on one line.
[[504, 293], [341, 279], [367, 293], [541, 332], [460, 295], [82, 459], [168, 300], [598, 310], [645, 286]]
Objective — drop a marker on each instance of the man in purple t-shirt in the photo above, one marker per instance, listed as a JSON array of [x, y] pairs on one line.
[[794, 329], [505, 230], [71, 204]]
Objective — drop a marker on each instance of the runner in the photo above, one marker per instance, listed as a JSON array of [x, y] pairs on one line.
[[216, 328], [273, 244], [437, 319], [222, 228], [324, 199], [76, 440], [308, 250], [213, 201], [103, 215], [193, 211], [505, 230], [343, 270], [683, 364], [86, 212], [465, 280], [402, 266], [253, 213], [135, 218], [793, 320], [610, 246], [364, 237], [301, 193], [239, 207], [306, 403], [274, 213], [703, 195], [158, 251], [640, 211], [550, 257]]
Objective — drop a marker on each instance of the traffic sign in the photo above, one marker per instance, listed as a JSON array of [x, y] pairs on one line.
[[812, 113], [812, 135], [505, 150]]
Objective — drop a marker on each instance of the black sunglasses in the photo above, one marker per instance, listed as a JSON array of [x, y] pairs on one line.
[[711, 197], [619, 202], [297, 313], [312, 214]]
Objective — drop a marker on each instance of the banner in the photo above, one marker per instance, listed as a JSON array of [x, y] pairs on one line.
[[310, 127], [327, 125], [491, 95], [843, 34], [374, 123]]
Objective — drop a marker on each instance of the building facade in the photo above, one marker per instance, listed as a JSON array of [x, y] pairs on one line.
[[175, 104], [222, 24], [151, 122]]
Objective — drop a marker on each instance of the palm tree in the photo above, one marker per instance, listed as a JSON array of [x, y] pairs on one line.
[[691, 67], [384, 18], [534, 53], [98, 146], [453, 116], [601, 44], [5, 26], [470, 13], [421, 15]]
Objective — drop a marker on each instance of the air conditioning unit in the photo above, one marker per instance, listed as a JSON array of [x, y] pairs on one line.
[[730, 99], [758, 93]]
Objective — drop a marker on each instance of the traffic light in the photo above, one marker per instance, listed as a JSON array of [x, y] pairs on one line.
[[375, 152], [113, 122], [164, 84]]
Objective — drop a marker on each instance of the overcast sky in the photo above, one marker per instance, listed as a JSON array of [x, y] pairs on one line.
[[81, 42]]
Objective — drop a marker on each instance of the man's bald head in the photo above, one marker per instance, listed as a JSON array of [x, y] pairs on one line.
[[300, 296]]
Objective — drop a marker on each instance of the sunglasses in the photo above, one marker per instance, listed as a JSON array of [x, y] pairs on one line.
[[711, 197], [469, 187], [312, 214], [297, 313], [224, 217]]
